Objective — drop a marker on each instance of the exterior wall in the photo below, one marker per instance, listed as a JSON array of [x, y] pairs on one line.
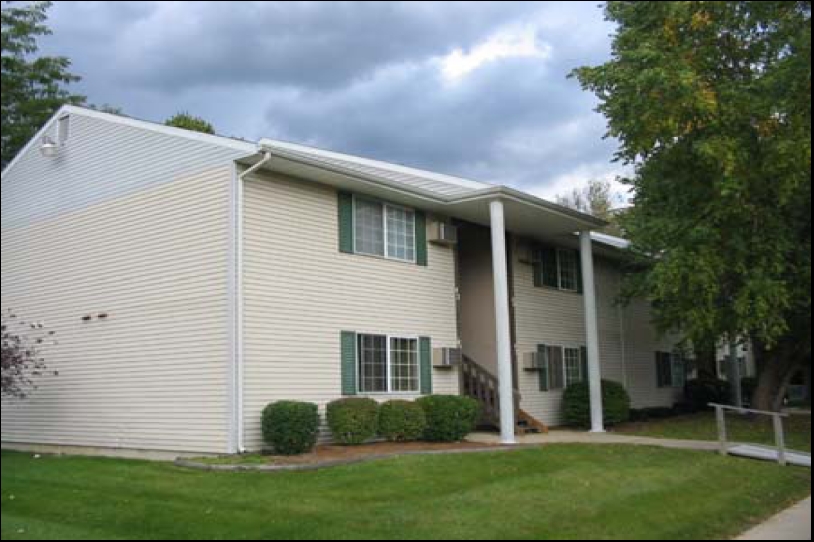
[[135, 224], [627, 342], [300, 292], [477, 296], [155, 374]]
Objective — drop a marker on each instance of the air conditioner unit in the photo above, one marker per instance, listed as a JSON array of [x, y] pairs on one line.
[[532, 361], [446, 358], [443, 233], [528, 253]]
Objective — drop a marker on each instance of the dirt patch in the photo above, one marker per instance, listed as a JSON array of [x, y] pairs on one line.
[[330, 453]]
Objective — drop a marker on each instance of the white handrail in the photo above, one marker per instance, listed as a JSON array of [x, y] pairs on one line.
[[777, 420]]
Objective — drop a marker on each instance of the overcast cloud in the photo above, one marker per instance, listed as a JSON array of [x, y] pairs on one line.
[[476, 89]]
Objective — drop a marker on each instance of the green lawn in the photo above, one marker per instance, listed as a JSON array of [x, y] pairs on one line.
[[740, 429], [559, 491]]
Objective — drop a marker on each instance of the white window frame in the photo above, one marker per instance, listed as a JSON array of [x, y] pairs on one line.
[[548, 364], [63, 129], [581, 377], [386, 255], [389, 364], [572, 254]]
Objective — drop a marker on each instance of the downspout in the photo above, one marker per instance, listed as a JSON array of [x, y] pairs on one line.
[[238, 353]]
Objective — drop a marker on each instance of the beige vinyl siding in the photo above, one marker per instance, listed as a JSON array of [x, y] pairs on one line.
[[627, 341], [300, 292], [642, 343], [155, 374]]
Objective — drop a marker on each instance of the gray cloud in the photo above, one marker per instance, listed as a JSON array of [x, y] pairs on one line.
[[365, 78]]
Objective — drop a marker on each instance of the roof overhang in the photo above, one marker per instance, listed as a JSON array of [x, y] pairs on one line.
[[525, 214]]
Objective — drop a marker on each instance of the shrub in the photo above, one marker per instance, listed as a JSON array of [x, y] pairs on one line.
[[401, 421], [449, 417], [700, 392], [353, 421], [291, 427], [577, 404]]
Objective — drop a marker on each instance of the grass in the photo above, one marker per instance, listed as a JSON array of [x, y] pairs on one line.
[[739, 428], [243, 459], [554, 492]]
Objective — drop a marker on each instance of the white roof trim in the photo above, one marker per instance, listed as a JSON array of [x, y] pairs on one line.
[[610, 240], [220, 141], [271, 144], [478, 190]]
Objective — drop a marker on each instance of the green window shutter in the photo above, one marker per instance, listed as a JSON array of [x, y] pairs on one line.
[[345, 201], [544, 373], [425, 364], [556, 362], [420, 238], [348, 353], [664, 370], [549, 274], [583, 358]]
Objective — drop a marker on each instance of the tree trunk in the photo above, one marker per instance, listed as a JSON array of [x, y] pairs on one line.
[[776, 368]]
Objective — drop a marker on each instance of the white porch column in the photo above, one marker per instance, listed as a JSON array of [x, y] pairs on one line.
[[591, 331], [502, 323]]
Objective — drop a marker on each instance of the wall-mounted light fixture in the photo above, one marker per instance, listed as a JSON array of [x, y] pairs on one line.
[[49, 148]]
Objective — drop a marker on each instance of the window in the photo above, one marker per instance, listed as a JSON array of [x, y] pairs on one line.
[[384, 230], [560, 366], [573, 366], [557, 268], [369, 234], [388, 364], [567, 263], [403, 365], [372, 363], [671, 371]]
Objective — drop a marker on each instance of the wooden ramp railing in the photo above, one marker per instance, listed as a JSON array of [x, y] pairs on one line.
[[477, 382]]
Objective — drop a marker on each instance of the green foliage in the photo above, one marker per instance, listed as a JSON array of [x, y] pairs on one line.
[[401, 421], [353, 421], [576, 404], [291, 427], [598, 199], [190, 122], [450, 418], [33, 87], [700, 392], [711, 102]]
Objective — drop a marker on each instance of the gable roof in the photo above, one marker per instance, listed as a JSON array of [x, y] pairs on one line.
[[454, 193]]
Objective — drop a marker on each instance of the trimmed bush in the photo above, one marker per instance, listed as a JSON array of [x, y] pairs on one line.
[[353, 421], [449, 417], [401, 421], [700, 392], [291, 427], [576, 404]]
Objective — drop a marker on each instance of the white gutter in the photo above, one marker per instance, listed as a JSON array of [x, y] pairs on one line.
[[238, 431]]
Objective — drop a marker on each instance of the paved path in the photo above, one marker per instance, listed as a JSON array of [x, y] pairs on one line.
[[791, 524], [581, 437]]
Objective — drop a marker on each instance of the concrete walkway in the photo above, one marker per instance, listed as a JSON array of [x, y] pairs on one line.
[[791, 524], [582, 437]]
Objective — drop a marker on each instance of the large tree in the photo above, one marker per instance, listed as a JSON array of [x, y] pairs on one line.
[[711, 102], [33, 86], [190, 122], [596, 198]]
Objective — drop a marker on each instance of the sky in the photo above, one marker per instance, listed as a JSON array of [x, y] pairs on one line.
[[474, 89]]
